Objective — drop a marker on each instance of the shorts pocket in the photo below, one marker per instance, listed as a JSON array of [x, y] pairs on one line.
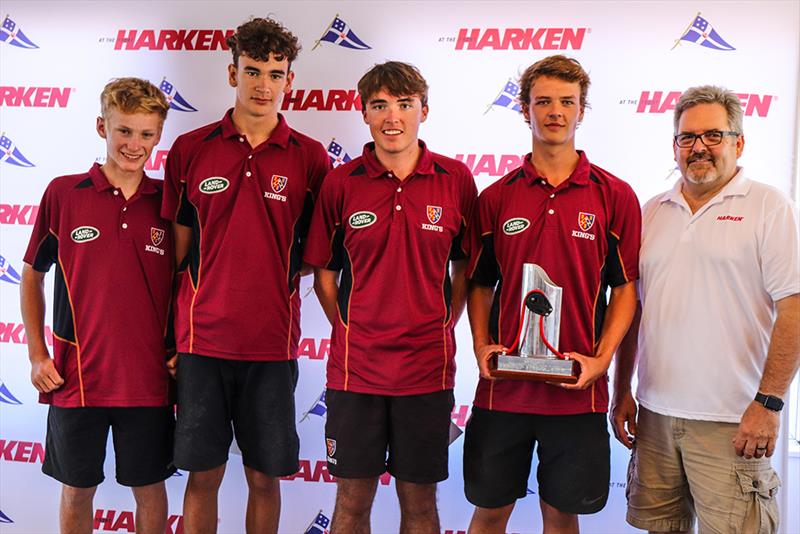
[[756, 509]]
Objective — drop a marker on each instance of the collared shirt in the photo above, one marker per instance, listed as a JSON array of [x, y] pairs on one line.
[[113, 282], [249, 208], [393, 241], [585, 234], [709, 283]]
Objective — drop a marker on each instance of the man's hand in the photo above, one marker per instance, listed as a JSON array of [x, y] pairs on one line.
[[172, 366], [757, 433], [591, 370], [623, 419], [483, 353], [44, 376]]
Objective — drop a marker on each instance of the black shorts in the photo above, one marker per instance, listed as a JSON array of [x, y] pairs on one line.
[[573, 451], [415, 429], [254, 400], [76, 445]]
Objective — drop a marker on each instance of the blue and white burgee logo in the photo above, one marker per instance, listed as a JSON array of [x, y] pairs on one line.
[[339, 33], [319, 408], [337, 154], [11, 34], [7, 272], [176, 101], [507, 98], [7, 397], [9, 153], [703, 33], [320, 524]]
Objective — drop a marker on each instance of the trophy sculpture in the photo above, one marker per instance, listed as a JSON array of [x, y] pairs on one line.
[[537, 338]]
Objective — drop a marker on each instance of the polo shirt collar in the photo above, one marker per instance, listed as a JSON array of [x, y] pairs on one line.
[[375, 169], [738, 186], [101, 183], [278, 137], [580, 176]]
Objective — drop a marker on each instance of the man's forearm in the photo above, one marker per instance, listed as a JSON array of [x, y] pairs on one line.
[[783, 356], [32, 306], [459, 283], [327, 289], [621, 308], [625, 361], [479, 305], [183, 240]]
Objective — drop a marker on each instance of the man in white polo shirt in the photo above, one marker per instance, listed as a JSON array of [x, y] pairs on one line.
[[718, 340]]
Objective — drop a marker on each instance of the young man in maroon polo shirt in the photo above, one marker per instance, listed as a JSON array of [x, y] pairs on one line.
[[241, 193], [385, 242], [582, 225], [114, 264]]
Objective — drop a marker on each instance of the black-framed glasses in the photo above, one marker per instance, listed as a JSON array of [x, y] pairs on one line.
[[709, 138]]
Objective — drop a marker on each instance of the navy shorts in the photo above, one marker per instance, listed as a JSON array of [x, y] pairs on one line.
[[414, 429], [252, 400], [76, 445], [574, 459]]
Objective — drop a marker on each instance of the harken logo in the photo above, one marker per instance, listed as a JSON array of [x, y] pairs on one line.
[[520, 38], [362, 219], [83, 234], [171, 39], [278, 182], [213, 185], [34, 97], [585, 220], [434, 214], [156, 235], [515, 225]]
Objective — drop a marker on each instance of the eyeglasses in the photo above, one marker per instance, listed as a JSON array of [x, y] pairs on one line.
[[709, 138]]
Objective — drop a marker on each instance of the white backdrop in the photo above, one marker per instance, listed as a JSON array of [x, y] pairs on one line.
[[55, 57]]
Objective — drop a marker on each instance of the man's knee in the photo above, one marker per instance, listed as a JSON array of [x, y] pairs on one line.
[[416, 499], [261, 483], [354, 496], [206, 481], [490, 519], [73, 497]]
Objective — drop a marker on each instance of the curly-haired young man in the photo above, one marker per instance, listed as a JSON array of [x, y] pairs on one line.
[[240, 192]]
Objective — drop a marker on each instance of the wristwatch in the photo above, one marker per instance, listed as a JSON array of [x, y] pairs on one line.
[[770, 402]]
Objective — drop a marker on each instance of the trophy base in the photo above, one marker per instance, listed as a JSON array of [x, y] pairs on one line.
[[541, 369]]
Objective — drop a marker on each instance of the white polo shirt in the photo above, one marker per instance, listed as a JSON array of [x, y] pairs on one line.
[[708, 285]]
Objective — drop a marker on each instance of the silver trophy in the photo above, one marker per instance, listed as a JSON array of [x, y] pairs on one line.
[[541, 313]]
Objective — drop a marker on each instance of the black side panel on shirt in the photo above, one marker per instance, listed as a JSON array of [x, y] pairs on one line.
[[187, 216], [298, 239], [46, 254], [487, 272], [447, 289], [611, 275], [456, 252], [345, 288], [63, 322]]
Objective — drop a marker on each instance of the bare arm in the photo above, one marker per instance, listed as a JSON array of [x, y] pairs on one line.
[[479, 305], [183, 240], [458, 276], [621, 307], [327, 289], [759, 426], [44, 375], [623, 407]]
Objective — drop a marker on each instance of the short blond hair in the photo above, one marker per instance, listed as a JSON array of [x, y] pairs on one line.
[[133, 95]]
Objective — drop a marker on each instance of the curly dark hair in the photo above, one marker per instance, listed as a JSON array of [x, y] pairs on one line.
[[259, 37], [397, 78], [558, 66]]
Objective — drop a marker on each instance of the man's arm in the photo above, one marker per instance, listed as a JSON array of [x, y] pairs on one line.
[[327, 289], [44, 375], [621, 307], [458, 278], [479, 305], [759, 425], [183, 240], [623, 407]]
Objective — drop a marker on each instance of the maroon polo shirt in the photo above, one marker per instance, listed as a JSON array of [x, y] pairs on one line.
[[113, 283], [585, 234], [393, 241], [249, 208]]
